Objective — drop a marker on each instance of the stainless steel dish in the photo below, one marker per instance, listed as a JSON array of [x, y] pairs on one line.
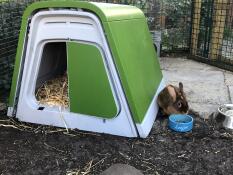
[[227, 111]]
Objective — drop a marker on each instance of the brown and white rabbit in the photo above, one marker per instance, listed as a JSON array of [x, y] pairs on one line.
[[172, 100]]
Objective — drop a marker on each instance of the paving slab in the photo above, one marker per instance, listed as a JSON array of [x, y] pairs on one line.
[[231, 93], [228, 78], [194, 76], [204, 109], [171, 63], [121, 169], [205, 92]]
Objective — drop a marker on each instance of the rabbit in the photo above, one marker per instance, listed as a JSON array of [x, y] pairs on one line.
[[172, 100]]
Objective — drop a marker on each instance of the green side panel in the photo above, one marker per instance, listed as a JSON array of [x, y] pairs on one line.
[[89, 89], [132, 47], [105, 12], [18, 57]]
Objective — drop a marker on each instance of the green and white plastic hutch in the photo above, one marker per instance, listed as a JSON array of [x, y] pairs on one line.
[[113, 71]]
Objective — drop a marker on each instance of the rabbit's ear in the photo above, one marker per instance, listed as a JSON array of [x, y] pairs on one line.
[[181, 86]]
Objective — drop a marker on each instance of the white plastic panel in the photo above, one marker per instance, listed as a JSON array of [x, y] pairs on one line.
[[144, 128]]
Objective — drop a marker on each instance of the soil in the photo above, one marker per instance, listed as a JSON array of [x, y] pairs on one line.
[[35, 149]]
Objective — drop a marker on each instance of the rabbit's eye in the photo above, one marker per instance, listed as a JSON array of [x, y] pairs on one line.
[[179, 104]]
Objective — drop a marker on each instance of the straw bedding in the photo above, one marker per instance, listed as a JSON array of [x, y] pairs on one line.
[[54, 92]]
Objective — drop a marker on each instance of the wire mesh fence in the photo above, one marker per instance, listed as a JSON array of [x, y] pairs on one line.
[[226, 50], [10, 19], [212, 32], [175, 25]]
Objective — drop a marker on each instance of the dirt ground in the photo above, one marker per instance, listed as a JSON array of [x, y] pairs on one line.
[[35, 149]]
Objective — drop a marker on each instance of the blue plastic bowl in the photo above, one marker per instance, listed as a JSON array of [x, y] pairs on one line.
[[180, 122]]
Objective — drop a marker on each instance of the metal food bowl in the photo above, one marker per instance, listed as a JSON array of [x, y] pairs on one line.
[[227, 111], [180, 122]]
